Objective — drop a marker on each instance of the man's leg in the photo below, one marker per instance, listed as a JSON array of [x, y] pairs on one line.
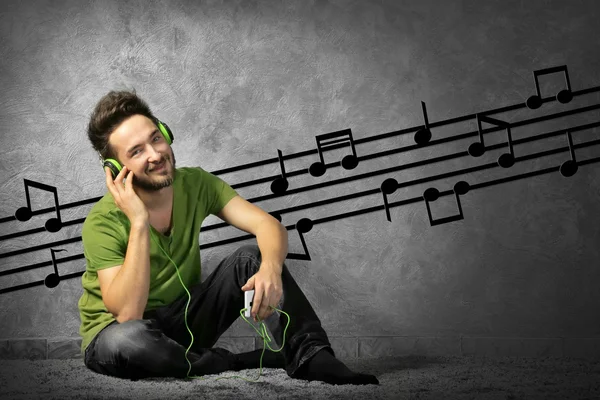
[[309, 355], [139, 349], [216, 304]]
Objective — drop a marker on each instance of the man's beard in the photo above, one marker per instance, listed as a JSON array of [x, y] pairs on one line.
[[155, 185]]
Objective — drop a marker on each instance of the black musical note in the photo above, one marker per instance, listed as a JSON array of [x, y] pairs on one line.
[[388, 186], [52, 280], [24, 213], [477, 149], [280, 184], [569, 167], [423, 135], [564, 96], [432, 194], [348, 162], [302, 226]]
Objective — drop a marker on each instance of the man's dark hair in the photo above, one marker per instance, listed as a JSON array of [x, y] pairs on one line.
[[112, 109]]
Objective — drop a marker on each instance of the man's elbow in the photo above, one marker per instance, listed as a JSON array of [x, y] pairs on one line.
[[120, 318], [125, 316]]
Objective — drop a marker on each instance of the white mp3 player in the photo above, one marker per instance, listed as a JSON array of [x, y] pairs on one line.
[[248, 297]]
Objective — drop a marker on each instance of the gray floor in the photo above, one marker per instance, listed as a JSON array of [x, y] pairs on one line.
[[401, 378]]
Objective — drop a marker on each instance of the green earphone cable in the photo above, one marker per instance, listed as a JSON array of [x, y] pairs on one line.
[[264, 335]]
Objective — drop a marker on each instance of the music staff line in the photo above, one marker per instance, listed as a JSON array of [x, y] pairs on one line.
[[39, 230], [449, 121], [430, 178], [411, 147], [356, 195], [389, 186], [417, 199], [421, 163], [330, 183], [363, 140], [42, 264], [38, 283], [350, 214]]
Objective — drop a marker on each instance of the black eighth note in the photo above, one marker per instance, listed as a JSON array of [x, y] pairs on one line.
[[25, 213], [388, 187], [477, 149], [280, 184], [564, 96], [302, 226], [432, 194], [52, 280], [348, 162], [569, 167], [423, 135]]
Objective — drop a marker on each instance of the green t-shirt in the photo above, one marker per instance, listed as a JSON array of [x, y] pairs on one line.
[[196, 194]]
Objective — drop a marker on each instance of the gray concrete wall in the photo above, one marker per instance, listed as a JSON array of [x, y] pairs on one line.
[[237, 80]]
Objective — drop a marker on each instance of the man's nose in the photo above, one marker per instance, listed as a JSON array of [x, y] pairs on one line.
[[153, 155]]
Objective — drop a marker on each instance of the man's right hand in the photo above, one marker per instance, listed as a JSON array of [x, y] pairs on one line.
[[125, 197]]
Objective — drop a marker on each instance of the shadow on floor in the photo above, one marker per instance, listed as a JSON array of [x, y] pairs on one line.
[[383, 365]]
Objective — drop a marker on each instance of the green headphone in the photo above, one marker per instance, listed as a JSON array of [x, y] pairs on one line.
[[114, 165]]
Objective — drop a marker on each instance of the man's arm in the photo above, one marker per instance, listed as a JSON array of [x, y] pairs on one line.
[[125, 288], [272, 241]]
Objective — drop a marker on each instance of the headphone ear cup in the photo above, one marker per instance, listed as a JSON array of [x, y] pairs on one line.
[[114, 166], [166, 131]]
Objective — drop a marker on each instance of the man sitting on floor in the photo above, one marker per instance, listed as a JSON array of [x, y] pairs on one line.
[[142, 237]]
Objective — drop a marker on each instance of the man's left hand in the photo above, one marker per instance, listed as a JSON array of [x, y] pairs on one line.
[[268, 290]]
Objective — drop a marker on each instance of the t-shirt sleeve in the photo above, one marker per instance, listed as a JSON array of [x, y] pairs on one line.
[[104, 241], [219, 192]]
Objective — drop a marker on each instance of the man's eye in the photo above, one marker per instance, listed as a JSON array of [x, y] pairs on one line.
[[156, 138], [135, 152]]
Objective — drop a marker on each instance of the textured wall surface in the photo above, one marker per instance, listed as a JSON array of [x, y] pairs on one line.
[[237, 80]]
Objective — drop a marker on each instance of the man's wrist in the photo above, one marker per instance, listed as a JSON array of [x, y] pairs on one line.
[[271, 265], [140, 223]]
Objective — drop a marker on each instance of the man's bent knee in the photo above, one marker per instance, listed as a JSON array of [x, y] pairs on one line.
[[250, 250], [122, 337]]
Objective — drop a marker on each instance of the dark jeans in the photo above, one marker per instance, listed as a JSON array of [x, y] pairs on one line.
[[155, 345]]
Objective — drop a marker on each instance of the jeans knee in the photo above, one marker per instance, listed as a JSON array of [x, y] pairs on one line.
[[124, 337], [249, 250]]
